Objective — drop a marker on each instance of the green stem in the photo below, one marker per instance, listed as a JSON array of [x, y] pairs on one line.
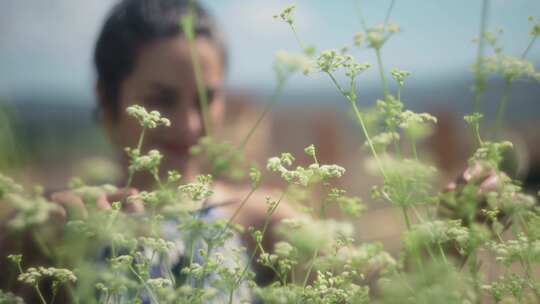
[[417, 214], [501, 109], [443, 255], [131, 173], [187, 22], [236, 212], [312, 263], [413, 147], [480, 77], [297, 37], [362, 124], [361, 16], [381, 72], [430, 252], [148, 289], [476, 129], [474, 269], [42, 246], [388, 13], [252, 257], [209, 249], [531, 43], [274, 99], [406, 217], [41, 298]]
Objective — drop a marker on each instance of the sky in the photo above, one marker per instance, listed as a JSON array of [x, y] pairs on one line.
[[46, 46]]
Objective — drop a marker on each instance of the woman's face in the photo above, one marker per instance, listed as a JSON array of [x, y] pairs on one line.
[[163, 80]]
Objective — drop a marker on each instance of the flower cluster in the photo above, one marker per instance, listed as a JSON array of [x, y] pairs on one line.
[[145, 162], [223, 157], [287, 14], [33, 275], [510, 68], [399, 76], [430, 233], [10, 298], [402, 176], [303, 176], [286, 64], [29, 211], [7, 185], [490, 154], [199, 190], [311, 235], [331, 60], [375, 37], [535, 27], [147, 119], [522, 249]]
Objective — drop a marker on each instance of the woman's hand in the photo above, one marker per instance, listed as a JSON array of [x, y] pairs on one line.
[[466, 197], [486, 179], [73, 206]]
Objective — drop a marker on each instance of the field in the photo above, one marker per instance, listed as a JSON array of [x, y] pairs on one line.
[[473, 240]]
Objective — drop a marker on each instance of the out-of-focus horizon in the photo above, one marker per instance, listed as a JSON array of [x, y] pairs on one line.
[[47, 48]]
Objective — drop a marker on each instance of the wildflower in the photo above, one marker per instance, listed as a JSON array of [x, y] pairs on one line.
[[173, 176], [382, 140], [30, 211], [286, 64], [199, 190], [375, 37], [146, 162], [399, 76], [410, 119], [517, 250], [10, 298], [473, 119], [510, 68], [490, 153], [287, 14], [157, 244], [223, 157], [391, 109], [331, 171], [535, 29], [393, 28], [121, 261], [148, 120], [329, 61], [33, 275], [158, 283], [7, 185], [316, 235], [351, 206], [354, 68], [436, 232], [286, 159], [358, 38], [402, 176], [310, 150], [15, 258], [255, 176]]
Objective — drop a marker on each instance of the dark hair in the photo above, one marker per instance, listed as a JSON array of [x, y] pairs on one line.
[[134, 23]]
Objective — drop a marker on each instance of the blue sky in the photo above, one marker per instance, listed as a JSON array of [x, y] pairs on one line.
[[47, 46]]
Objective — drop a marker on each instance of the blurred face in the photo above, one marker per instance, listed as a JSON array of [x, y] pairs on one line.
[[163, 80]]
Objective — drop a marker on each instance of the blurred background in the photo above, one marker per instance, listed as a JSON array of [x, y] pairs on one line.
[[47, 119]]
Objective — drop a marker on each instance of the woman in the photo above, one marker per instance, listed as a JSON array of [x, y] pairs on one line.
[[142, 57]]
